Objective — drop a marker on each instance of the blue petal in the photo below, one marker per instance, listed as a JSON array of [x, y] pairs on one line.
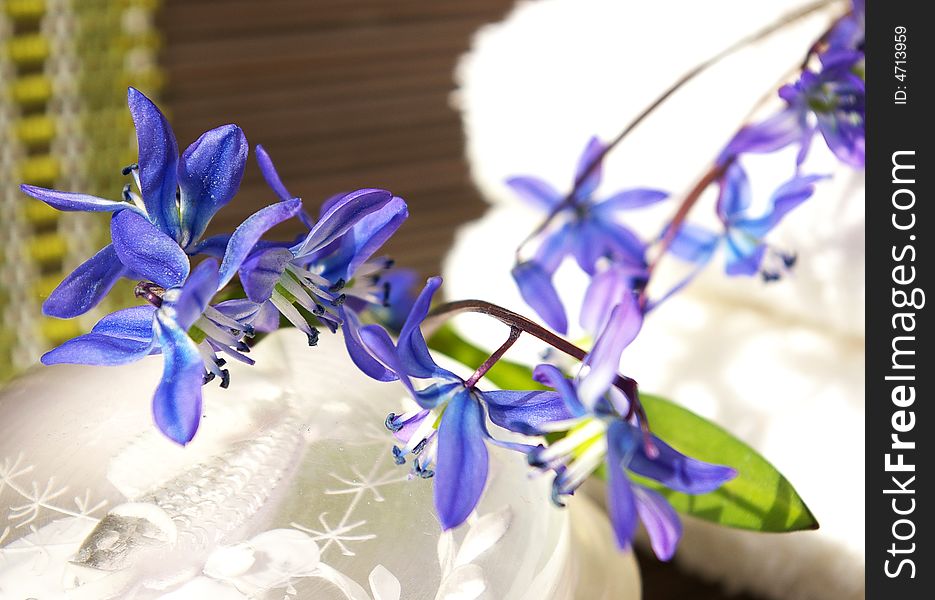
[[209, 176], [267, 318], [592, 153], [589, 245], [341, 216], [694, 244], [555, 247], [621, 502], [271, 175], [846, 140], [621, 329], [262, 270], [84, 287], [788, 196], [212, 246], [401, 297], [71, 201], [378, 342], [158, 161], [329, 203], [623, 245], [735, 195], [607, 289], [97, 349], [358, 352], [660, 520], [675, 470], [535, 191], [239, 309], [628, 200], [535, 286], [147, 251], [461, 466], [413, 353], [744, 254], [371, 232], [134, 323], [177, 402], [119, 338], [525, 412], [249, 233], [190, 301], [780, 130], [595, 239], [552, 377]]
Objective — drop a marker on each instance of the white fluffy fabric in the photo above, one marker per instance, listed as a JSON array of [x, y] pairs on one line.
[[780, 365]]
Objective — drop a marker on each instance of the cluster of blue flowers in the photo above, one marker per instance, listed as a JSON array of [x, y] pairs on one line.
[[830, 101], [328, 276], [331, 277]]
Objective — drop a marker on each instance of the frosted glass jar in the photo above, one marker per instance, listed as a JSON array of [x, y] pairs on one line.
[[287, 491]]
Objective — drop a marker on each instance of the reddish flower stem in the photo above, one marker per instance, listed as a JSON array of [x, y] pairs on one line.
[[778, 25], [519, 324], [515, 332]]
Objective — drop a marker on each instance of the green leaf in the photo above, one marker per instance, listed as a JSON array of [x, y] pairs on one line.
[[758, 499]]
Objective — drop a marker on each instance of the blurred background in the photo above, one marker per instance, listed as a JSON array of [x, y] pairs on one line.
[[342, 93]]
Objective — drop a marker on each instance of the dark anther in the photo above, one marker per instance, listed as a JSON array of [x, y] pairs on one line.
[[390, 423], [150, 292], [225, 378], [319, 310], [419, 447], [338, 285], [386, 293], [639, 282], [556, 500], [130, 168], [789, 260], [398, 456], [388, 263], [426, 473], [208, 377], [242, 347], [769, 276], [126, 193], [533, 457], [220, 362], [313, 337], [249, 331], [339, 300]]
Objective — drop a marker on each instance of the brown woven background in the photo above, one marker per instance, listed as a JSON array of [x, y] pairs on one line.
[[346, 94]]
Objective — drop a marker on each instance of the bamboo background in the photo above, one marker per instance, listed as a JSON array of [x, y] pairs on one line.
[[346, 94]]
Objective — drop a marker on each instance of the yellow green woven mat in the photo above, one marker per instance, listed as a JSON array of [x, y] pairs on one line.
[[64, 70]]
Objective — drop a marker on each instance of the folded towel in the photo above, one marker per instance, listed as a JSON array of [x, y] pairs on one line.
[[779, 365]]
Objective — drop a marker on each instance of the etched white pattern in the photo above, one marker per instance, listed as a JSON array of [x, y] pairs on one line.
[[37, 498], [357, 487]]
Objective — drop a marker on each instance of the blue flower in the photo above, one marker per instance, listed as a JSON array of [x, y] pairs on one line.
[[586, 228], [831, 102], [742, 235], [599, 432], [178, 196], [168, 325], [447, 434], [848, 32], [330, 272]]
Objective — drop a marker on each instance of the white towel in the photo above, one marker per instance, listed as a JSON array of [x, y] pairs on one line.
[[780, 365]]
